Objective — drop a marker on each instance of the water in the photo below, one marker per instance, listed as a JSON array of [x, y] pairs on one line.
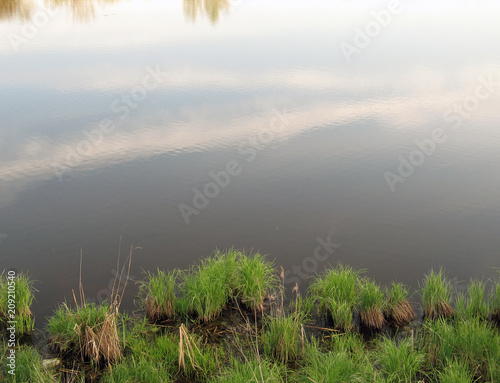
[[114, 112]]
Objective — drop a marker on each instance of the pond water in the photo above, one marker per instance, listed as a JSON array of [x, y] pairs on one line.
[[312, 131]]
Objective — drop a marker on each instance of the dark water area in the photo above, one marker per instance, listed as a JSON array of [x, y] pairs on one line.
[[315, 132]]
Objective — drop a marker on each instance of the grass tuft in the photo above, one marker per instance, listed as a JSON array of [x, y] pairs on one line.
[[371, 302], [336, 291], [256, 277], [253, 370], [159, 294], [207, 287], [495, 301], [16, 297], [397, 308], [456, 372], [436, 295], [477, 306], [399, 362]]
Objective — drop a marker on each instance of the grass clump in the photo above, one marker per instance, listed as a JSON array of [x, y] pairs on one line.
[[336, 291], [399, 362], [256, 277], [137, 371], [88, 330], [334, 367], [282, 337], [436, 295], [160, 293], [397, 308], [456, 372], [477, 306], [471, 342], [495, 301], [197, 360], [16, 297], [29, 368], [252, 370], [207, 287], [371, 302]]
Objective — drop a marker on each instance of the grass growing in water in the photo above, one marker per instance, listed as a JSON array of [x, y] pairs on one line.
[[476, 304], [207, 287], [17, 294], [397, 308], [436, 295], [336, 291], [256, 276], [282, 337], [371, 301], [159, 294], [88, 329]]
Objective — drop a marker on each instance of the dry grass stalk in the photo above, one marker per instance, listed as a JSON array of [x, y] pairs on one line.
[[187, 347]]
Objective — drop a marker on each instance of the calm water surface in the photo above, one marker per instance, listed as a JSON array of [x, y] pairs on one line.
[[115, 115]]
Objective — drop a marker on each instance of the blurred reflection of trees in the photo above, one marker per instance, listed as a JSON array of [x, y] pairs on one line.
[[212, 8], [22, 9]]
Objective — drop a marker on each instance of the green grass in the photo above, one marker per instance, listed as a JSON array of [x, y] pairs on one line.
[[460, 306], [207, 287], [371, 302], [456, 372], [495, 301], [29, 368], [252, 370], [477, 305], [256, 277], [17, 294], [470, 341], [88, 330], [397, 308], [399, 362], [336, 292], [133, 370], [198, 360], [436, 295], [334, 367], [281, 337], [160, 293]]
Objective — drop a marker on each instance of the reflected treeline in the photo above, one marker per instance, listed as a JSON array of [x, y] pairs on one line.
[[212, 8], [10, 9], [23, 9]]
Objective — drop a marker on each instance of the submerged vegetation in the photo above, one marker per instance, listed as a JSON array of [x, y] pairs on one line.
[[227, 319]]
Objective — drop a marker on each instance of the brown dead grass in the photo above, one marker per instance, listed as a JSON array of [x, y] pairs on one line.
[[401, 315], [439, 310], [372, 318]]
